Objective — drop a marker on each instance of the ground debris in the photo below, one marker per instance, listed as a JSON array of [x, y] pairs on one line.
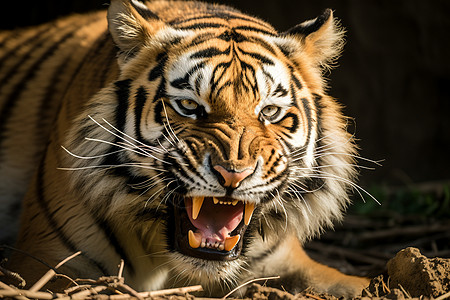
[[412, 276], [418, 274]]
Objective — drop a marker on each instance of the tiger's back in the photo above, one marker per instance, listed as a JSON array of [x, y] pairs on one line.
[[211, 96], [37, 66]]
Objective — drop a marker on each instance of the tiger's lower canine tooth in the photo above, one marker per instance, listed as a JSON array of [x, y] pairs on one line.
[[249, 208], [195, 239], [230, 242], [197, 203]]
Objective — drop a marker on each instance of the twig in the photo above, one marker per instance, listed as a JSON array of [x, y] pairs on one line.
[[385, 287], [131, 291], [404, 291], [85, 293], [182, 290], [313, 296], [248, 282], [49, 275], [442, 297], [6, 287], [14, 276], [74, 289], [122, 263], [29, 294]]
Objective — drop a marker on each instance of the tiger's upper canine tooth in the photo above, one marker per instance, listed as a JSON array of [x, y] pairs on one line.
[[196, 205], [215, 200], [235, 202], [230, 242], [249, 208], [195, 239]]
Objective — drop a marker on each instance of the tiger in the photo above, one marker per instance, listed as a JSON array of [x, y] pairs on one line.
[[192, 141]]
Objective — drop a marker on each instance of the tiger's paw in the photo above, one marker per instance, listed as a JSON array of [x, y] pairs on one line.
[[347, 286]]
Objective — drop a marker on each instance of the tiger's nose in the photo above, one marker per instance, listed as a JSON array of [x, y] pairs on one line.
[[232, 178]]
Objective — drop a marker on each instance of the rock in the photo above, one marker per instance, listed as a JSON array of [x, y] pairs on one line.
[[419, 275]]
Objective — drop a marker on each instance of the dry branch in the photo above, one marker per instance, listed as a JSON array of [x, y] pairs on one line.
[[6, 287], [50, 274], [247, 283], [26, 293]]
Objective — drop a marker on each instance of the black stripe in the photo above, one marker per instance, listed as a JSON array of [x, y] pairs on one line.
[[297, 82], [261, 58], [224, 15], [141, 99], [200, 39], [286, 51], [295, 122], [225, 85], [198, 82], [232, 35], [280, 179], [263, 44], [183, 83], [50, 217], [182, 174], [319, 108], [145, 13], [268, 75], [202, 26], [307, 109], [253, 85], [280, 91], [178, 22], [311, 26], [40, 38], [123, 96], [158, 70], [161, 91], [20, 87], [98, 51], [254, 29], [158, 112], [210, 52], [213, 82], [6, 55], [45, 113]]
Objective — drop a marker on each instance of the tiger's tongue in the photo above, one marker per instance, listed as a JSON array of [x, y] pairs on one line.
[[216, 221]]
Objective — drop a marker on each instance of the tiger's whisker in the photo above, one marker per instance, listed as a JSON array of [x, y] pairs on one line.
[[129, 149], [91, 157], [131, 138], [108, 167]]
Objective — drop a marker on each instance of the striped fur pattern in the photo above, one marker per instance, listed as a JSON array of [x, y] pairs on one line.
[[129, 120]]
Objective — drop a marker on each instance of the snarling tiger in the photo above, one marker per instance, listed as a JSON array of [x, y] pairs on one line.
[[192, 141]]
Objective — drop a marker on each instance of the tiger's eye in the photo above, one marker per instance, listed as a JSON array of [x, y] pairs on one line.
[[270, 111], [189, 104]]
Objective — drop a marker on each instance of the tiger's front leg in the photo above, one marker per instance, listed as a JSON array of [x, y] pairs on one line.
[[298, 271]]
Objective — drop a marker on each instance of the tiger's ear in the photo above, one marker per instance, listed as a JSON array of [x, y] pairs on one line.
[[321, 38], [132, 25]]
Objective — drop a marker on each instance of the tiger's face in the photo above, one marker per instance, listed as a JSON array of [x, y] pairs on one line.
[[234, 114], [230, 113], [220, 117]]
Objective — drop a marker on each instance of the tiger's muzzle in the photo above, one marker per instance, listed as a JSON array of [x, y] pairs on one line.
[[213, 227]]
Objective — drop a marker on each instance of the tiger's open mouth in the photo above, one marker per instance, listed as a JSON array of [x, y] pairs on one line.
[[212, 228]]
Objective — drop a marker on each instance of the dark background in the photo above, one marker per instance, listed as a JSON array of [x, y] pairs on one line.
[[393, 77]]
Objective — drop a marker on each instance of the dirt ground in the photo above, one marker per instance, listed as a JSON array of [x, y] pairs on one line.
[[404, 245], [411, 275]]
